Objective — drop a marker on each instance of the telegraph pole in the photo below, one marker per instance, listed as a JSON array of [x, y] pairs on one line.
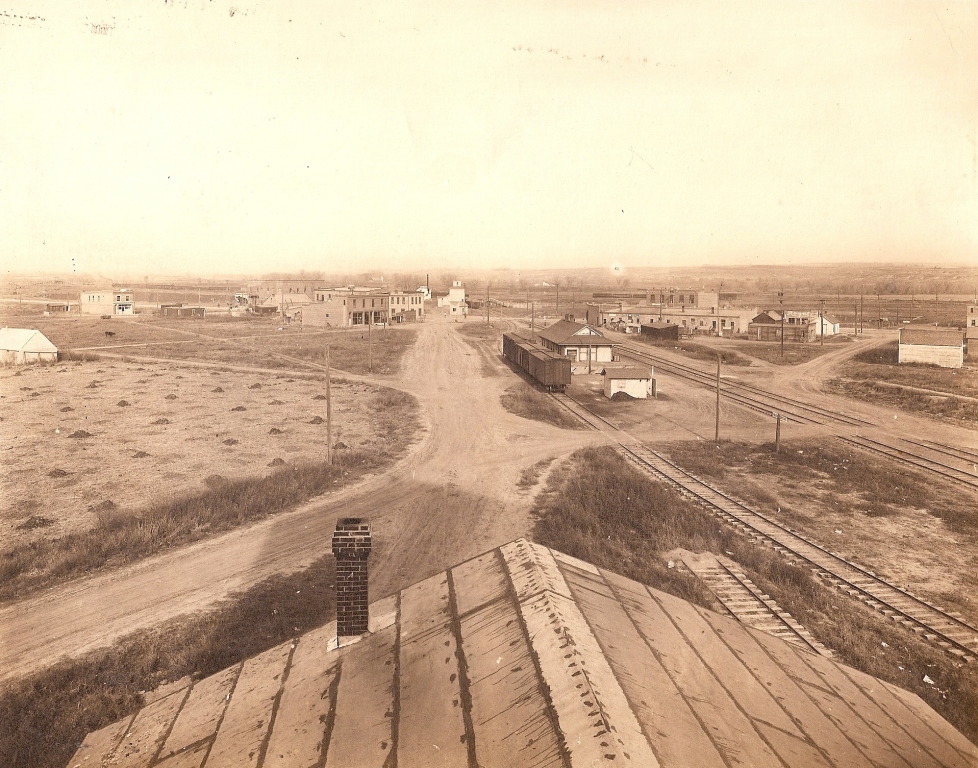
[[370, 349], [329, 414], [716, 438], [532, 310], [781, 303], [861, 313], [487, 302], [777, 435], [821, 322]]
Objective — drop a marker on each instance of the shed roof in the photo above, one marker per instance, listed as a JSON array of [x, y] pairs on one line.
[[570, 332], [628, 372], [524, 656], [25, 340], [932, 337]]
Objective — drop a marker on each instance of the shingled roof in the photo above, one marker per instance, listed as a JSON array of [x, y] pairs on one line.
[[569, 332], [526, 657]]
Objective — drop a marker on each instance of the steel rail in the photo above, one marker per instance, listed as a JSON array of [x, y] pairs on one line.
[[934, 624], [914, 459]]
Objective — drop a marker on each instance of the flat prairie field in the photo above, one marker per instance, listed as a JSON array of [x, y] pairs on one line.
[[79, 439]]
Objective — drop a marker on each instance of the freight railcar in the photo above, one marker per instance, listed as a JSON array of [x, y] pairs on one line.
[[548, 369]]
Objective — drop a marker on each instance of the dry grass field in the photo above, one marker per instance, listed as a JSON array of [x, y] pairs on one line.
[[86, 439]]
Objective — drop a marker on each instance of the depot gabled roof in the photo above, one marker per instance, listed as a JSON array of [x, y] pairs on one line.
[[25, 340], [526, 657], [568, 332]]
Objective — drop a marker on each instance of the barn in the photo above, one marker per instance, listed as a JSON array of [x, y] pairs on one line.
[[524, 656], [932, 346], [634, 380], [24, 345]]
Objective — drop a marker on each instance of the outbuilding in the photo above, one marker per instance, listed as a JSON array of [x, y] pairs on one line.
[[931, 346], [827, 326], [19, 346], [657, 331], [634, 380]]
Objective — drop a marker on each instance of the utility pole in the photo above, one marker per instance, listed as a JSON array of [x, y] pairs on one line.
[[532, 310], [861, 313], [821, 322], [329, 414], [557, 305], [487, 302], [716, 438], [777, 435], [781, 303], [370, 349], [879, 313], [855, 318]]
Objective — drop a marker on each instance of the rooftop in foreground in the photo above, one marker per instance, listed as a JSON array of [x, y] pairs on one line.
[[524, 656]]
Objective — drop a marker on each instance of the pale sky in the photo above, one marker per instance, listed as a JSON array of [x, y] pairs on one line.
[[208, 136]]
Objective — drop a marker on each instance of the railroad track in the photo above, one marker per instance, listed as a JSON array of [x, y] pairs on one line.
[[748, 395], [961, 454], [748, 604], [914, 459], [589, 417], [945, 629]]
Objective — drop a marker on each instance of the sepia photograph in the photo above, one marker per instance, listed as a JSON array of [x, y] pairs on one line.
[[496, 385]]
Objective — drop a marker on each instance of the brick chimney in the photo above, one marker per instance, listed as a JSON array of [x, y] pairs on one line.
[[351, 548]]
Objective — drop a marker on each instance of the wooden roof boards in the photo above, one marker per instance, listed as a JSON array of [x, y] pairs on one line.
[[527, 657]]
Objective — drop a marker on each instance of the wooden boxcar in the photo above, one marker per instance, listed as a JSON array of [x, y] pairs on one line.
[[548, 369]]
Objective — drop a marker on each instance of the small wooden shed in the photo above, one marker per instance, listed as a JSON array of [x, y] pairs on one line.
[[634, 380], [25, 345]]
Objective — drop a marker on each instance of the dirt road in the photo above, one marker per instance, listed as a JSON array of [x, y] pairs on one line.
[[454, 495]]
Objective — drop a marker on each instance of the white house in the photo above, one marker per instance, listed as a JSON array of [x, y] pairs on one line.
[[931, 346], [24, 345], [634, 380], [425, 291], [827, 326]]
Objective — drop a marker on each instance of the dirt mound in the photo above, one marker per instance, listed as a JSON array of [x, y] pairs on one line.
[[340, 446], [276, 402], [622, 396], [93, 385], [123, 403], [256, 385], [80, 433], [275, 431], [316, 420], [140, 455], [230, 441], [162, 421], [67, 409], [212, 481], [319, 397], [57, 473], [171, 397], [217, 389], [239, 408], [278, 462]]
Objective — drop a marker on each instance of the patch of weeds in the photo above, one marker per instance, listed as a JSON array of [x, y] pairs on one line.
[[531, 475], [35, 521], [523, 400]]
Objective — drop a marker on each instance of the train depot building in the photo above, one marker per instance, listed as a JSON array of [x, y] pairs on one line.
[[524, 656], [581, 343], [691, 320], [931, 346]]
